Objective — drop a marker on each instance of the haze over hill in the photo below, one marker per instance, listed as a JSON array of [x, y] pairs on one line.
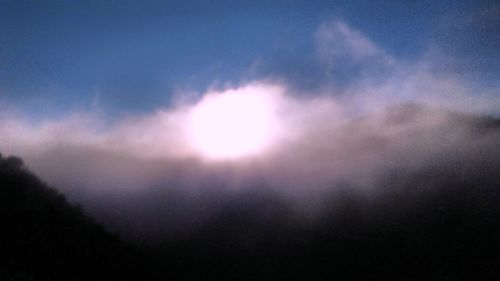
[[411, 192], [250, 140]]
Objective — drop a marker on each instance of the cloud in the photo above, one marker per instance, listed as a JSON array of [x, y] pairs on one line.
[[367, 78], [336, 38], [160, 136], [337, 136]]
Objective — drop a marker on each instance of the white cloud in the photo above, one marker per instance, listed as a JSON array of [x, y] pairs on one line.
[[85, 156], [336, 39], [378, 80]]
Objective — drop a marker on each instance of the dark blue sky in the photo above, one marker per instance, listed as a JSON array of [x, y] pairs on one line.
[[56, 56]]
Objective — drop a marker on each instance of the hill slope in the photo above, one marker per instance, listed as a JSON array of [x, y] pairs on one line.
[[432, 212], [43, 237]]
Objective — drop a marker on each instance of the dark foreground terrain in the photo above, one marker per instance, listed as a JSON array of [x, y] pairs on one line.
[[438, 222]]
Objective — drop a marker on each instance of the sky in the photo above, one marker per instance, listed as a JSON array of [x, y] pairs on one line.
[[117, 102], [128, 57]]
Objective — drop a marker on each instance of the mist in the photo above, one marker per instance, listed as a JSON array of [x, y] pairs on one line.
[[141, 176], [243, 140]]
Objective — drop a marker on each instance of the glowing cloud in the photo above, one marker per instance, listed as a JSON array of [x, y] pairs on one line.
[[234, 123]]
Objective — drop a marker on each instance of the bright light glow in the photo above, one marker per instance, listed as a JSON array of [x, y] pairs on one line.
[[234, 123]]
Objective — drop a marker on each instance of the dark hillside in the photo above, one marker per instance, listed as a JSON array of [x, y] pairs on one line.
[[44, 238]]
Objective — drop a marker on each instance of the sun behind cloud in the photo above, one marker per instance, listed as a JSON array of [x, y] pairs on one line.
[[234, 123]]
